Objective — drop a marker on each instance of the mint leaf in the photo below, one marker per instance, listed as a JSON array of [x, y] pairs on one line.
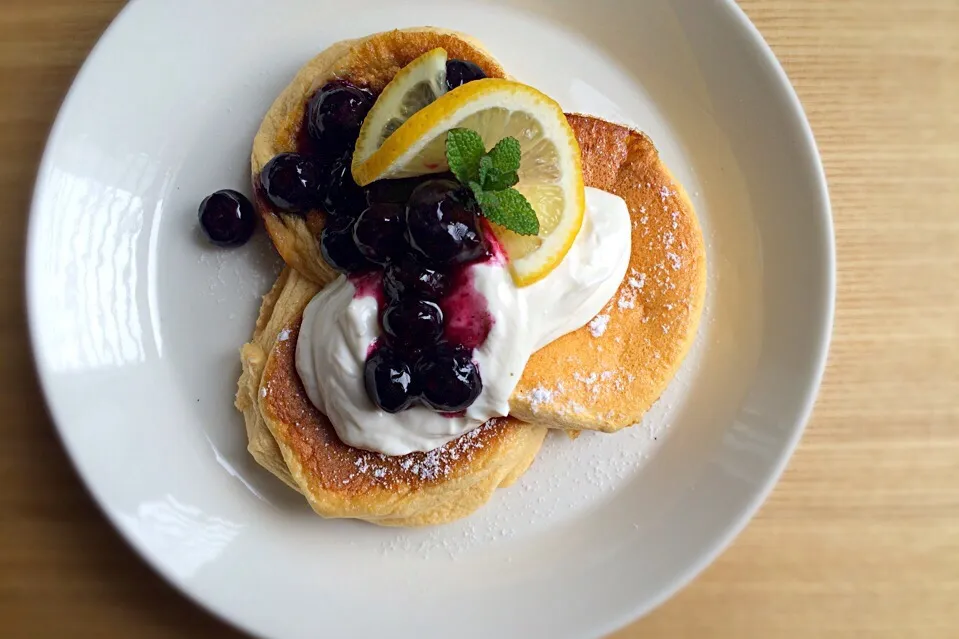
[[508, 208], [464, 149], [476, 189], [506, 155], [500, 169], [497, 180], [485, 164]]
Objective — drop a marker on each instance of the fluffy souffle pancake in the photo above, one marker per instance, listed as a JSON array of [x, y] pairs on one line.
[[607, 374], [293, 440], [370, 62]]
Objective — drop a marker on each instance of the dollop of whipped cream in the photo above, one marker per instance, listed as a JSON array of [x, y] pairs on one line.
[[340, 327]]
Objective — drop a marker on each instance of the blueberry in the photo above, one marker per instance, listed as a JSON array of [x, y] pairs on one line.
[[393, 191], [339, 249], [413, 323], [441, 226], [379, 232], [459, 72], [407, 276], [343, 196], [388, 380], [227, 218], [293, 182], [448, 379], [336, 112]]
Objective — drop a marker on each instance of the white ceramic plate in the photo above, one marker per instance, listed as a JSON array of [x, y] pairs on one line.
[[136, 321]]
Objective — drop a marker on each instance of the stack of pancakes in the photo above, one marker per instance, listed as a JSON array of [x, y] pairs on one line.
[[602, 377]]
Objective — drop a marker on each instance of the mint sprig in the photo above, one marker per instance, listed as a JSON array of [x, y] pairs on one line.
[[491, 177]]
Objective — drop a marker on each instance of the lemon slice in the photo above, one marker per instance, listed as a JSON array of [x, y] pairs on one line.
[[416, 85], [550, 173]]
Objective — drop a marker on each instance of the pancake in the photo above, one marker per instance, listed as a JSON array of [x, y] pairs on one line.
[[370, 62], [606, 375], [293, 440]]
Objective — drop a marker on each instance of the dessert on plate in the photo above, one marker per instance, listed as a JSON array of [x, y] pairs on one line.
[[467, 267]]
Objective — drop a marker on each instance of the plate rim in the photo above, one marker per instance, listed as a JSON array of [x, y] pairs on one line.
[[824, 210], [723, 539]]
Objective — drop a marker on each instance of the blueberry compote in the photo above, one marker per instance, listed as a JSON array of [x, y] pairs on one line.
[[425, 297], [410, 243], [317, 175]]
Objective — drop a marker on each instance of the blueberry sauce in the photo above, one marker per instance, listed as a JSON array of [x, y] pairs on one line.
[[468, 320], [411, 244], [434, 336], [369, 285], [431, 316]]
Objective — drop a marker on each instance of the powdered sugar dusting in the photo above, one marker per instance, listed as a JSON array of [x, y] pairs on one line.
[[538, 397], [602, 382], [598, 325], [426, 466], [674, 260], [627, 299]]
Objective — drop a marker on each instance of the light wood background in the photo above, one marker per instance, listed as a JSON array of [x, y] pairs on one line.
[[861, 537]]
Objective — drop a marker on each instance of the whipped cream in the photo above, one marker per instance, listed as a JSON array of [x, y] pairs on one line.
[[339, 329]]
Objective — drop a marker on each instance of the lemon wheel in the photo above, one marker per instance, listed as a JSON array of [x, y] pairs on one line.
[[416, 86]]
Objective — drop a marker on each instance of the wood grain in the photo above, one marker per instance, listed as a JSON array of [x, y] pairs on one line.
[[861, 537]]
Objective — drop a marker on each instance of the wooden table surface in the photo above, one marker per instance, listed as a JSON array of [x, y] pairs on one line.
[[860, 538]]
